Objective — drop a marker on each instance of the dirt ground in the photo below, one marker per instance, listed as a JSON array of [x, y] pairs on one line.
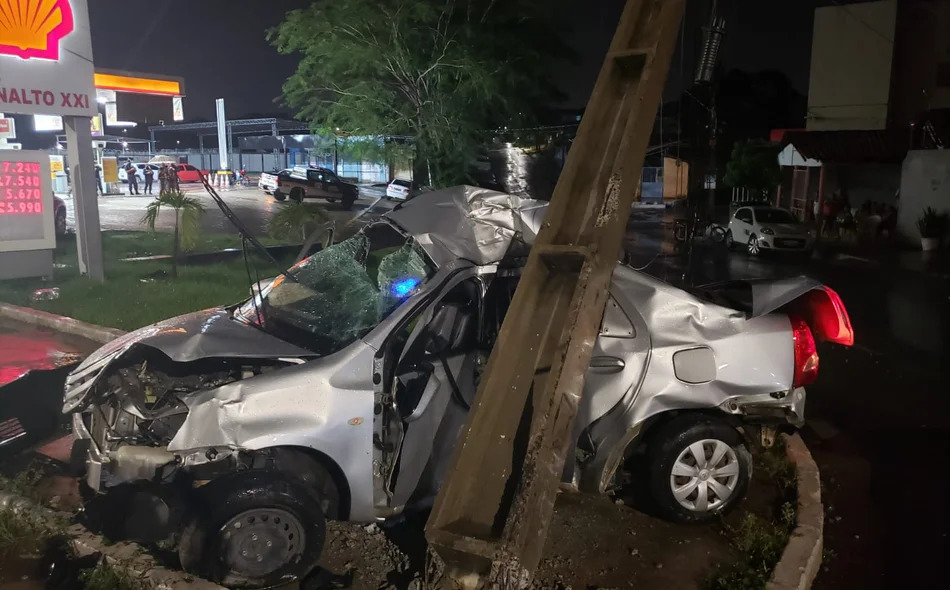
[[594, 543]]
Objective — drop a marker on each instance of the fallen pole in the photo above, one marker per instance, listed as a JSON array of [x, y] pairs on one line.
[[492, 513]]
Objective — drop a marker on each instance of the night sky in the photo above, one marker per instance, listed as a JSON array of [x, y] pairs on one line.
[[174, 37]]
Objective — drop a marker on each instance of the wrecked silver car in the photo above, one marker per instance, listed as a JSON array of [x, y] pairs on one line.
[[339, 389]]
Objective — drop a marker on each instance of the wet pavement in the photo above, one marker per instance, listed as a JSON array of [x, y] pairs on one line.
[[250, 204], [26, 348]]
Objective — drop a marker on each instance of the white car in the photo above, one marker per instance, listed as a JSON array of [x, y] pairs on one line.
[[139, 172], [769, 228], [403, 190]]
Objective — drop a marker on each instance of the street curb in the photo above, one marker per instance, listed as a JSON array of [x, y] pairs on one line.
[[801, 559], [129, 556], [59, 323]]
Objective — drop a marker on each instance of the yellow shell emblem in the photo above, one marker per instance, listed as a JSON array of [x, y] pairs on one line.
[[34, 28]]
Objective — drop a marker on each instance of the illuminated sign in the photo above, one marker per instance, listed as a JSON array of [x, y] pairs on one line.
[[47, 123], [7, 128], [137, 85], [46, 65], [34, 28], [26, 201]]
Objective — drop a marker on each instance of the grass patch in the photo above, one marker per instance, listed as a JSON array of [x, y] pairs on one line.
[[132, 297], [25, 482], [107, 577], [23, 533], [758, 542]]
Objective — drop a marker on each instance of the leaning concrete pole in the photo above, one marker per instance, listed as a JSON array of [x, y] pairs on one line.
[[492, 513]]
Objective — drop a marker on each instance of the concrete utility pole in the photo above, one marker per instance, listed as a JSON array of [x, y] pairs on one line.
[[82, 163], [492, 513]]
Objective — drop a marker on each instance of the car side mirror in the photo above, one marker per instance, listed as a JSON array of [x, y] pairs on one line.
[[449, 330]]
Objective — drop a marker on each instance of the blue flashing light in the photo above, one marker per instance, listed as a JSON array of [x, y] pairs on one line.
[[403, 288]]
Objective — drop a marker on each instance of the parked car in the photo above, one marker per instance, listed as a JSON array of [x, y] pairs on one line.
[[139, 172], [403, 190], [315, 183], [59, 216], [769, 228], [269, 180], [339, 389], [188, 173]]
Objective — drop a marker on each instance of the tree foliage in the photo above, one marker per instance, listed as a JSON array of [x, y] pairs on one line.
[[438, 71], [188, 212], [753, 165]]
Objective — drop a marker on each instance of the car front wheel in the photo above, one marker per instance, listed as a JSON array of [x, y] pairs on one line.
[[753, 247], [256, 530], [699, 467]]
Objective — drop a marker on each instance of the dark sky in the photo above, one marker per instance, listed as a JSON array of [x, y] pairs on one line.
[[219, 47]]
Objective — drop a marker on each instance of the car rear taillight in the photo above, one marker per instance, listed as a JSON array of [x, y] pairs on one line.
[[806, 354]]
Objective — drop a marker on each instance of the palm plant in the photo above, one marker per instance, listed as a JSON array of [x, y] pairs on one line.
[[303, 221], [188, 212]]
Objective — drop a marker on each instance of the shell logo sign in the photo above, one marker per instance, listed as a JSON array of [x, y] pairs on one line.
[[34, 28]]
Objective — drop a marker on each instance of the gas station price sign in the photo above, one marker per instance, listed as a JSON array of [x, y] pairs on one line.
[[26, 201]]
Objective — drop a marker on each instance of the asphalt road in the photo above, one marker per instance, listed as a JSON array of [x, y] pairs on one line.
[[250, 204]]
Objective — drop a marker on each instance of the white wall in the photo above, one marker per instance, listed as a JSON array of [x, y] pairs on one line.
[[925, 182]]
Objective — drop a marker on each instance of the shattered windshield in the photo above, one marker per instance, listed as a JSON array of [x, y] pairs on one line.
[[339, 294]]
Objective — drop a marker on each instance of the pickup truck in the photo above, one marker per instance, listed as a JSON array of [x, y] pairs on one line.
[[315, 183], [269, 180]]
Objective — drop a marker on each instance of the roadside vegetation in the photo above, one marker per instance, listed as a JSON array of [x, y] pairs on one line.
[[758, 542], [136, 294]]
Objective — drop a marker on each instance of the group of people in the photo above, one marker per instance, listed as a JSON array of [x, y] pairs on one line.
[[167, 178], [869, 221]]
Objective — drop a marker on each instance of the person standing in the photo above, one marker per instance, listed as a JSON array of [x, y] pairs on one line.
[[131, 174], [149, 174], [99, 180], [172, 178]]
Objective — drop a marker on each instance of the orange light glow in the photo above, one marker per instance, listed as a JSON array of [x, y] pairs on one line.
[[137, 85]]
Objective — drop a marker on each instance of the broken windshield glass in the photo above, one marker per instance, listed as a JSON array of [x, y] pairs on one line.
[[341, 293]]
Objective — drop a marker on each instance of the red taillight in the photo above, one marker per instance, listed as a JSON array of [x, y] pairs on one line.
[[826, 314], [806, 354]]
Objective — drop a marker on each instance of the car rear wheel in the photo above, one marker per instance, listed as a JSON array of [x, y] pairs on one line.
[[698, 468], [297, 194], [753, 246], [279, 195], [255, 529]]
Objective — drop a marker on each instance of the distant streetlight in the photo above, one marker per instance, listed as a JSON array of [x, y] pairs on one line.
[[178, 142], [125, 145]]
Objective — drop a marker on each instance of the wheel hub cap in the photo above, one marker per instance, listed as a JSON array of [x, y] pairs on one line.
[[704, 475], [260, 541]]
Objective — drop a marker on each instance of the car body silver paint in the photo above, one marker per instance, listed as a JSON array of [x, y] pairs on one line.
[[327, 404]]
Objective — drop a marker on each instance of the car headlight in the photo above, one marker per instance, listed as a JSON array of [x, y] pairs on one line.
[[768, 231]]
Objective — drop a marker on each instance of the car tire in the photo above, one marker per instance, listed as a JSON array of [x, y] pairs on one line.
[[297, 194], [717, 234], [279, 196], [672, 466], [730, 242], [347, 203], [254, 529], [752, 246], [60, 223]]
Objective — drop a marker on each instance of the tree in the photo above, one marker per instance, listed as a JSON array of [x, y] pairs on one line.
[[754, 165], [304, 221], [438, 71], [188, 212]]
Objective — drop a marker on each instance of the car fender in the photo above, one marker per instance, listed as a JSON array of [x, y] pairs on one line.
[[325, 405]]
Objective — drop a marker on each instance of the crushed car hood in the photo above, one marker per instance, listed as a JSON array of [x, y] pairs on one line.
[[202, 334], [470, 223]]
